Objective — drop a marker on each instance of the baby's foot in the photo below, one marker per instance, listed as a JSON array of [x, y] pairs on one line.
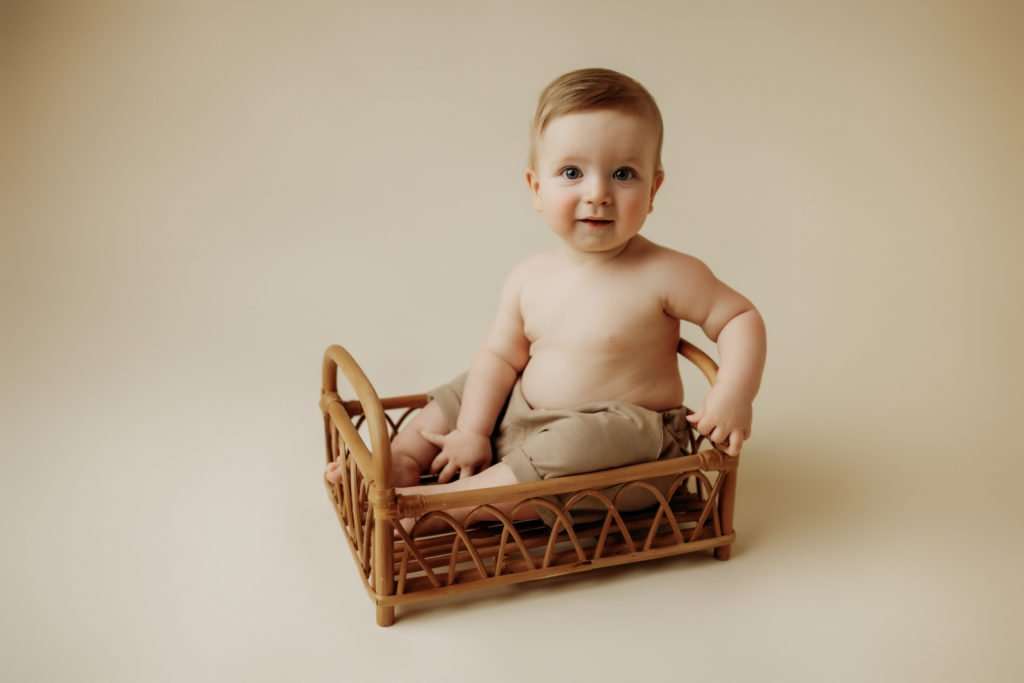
[[405, 471], [333, 472]]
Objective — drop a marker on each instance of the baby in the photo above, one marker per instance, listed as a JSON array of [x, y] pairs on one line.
[[579, 371]]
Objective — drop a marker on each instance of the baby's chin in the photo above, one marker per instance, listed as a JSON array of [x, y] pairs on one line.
[[595, 245]]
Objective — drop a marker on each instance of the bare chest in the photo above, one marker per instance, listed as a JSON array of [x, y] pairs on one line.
[[606, 313]]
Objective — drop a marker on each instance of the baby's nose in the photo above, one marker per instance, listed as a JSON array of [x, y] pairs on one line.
[[597, 189]]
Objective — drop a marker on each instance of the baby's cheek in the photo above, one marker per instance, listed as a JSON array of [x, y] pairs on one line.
[[564, 203], [634, 203]]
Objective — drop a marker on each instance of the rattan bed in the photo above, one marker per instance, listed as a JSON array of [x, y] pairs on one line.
[[399, 567]]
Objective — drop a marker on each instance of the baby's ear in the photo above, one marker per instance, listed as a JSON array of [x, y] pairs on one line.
[[534, 184], [659, 178]]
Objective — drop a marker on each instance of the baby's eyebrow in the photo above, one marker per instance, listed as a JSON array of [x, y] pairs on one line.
[[630, 160]]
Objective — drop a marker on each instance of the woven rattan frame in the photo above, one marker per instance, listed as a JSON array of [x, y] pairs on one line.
[[399, 567]]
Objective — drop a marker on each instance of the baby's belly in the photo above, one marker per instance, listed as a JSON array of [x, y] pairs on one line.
[[558, 379]]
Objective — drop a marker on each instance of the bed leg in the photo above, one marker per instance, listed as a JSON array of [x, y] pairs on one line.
[[726, 502], [385, 615], [383, 567]]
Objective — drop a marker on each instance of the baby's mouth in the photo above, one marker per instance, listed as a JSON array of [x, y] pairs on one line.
[[595, 223]]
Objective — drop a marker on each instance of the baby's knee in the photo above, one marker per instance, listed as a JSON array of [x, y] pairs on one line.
[[433, 418], [405, 471]]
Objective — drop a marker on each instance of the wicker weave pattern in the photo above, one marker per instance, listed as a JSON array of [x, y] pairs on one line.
[[397, 566]]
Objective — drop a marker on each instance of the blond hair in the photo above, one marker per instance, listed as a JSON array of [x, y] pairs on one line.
[[589, 90]]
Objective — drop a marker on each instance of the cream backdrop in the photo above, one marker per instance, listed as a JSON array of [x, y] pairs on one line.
[[199, 197]]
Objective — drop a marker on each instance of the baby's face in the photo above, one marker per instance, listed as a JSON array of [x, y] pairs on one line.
[[595, 164]]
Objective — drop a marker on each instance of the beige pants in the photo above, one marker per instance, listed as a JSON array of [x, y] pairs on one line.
[[541, 443]]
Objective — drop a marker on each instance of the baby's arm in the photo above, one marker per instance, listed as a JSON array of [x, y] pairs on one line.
[[502, 356], [694, 294]]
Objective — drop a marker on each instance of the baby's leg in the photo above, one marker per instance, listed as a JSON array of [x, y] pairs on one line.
[[411, 454], [498, 474]]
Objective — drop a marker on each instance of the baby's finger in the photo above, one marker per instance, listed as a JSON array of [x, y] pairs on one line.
[[447, 474], [466, 472], [440, 461], [735, 443], [703, 426], [718, 436]]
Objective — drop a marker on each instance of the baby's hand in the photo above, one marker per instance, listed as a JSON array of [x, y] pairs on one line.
[[725, 419], [461, 451]]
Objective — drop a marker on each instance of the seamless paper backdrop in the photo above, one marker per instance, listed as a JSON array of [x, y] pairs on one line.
[[197, 198]]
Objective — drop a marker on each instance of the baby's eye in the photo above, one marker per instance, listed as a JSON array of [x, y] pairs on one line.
[[570, 168], [630, 173]]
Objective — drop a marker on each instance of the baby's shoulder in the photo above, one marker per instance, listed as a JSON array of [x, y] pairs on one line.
[[530, 268], [660, 262], [520, 274]]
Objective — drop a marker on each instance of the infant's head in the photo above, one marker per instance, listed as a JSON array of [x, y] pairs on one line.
[[595, 152]]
